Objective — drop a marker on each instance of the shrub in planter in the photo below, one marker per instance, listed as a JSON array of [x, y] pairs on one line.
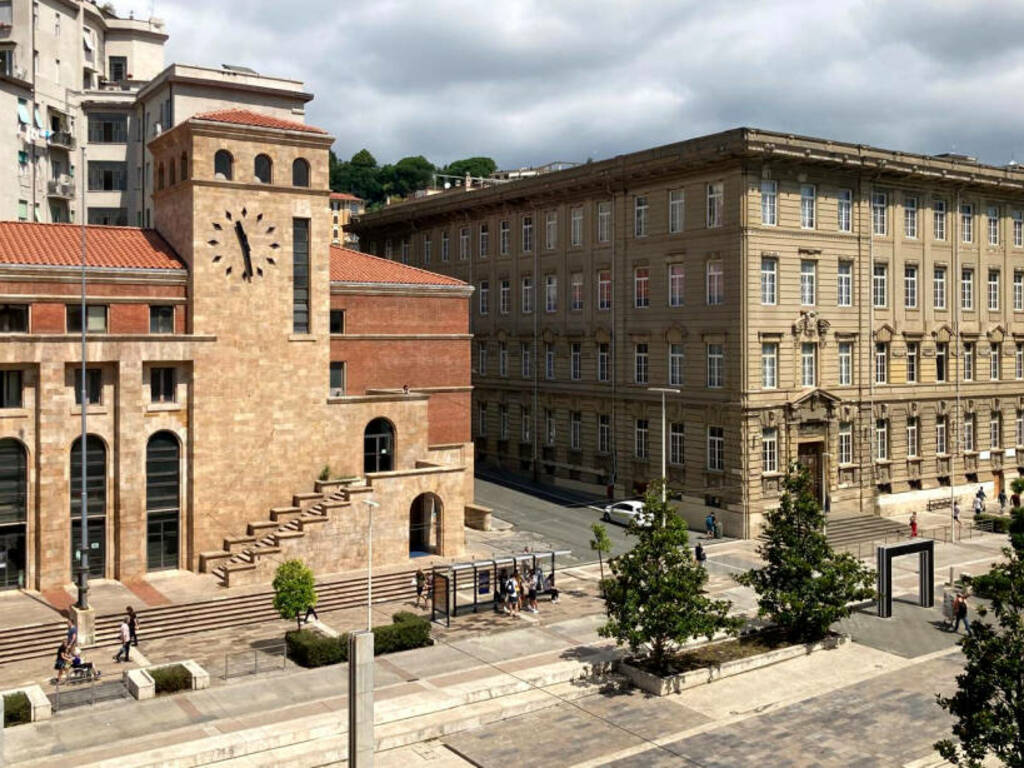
[[410, 632], [312, 649], [171, 679], [17, 709], [1000, 524]]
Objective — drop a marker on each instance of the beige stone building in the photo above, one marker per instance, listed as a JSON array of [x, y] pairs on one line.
[[856, 309], [342, 207]]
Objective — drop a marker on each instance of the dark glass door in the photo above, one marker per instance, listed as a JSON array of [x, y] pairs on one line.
[[162, 541], [12, 556], [378, 446], [809, 456], [163, 501], [97, 547]]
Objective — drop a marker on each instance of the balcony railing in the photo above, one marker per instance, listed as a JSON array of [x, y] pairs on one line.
[[61, 187], [63, 139]]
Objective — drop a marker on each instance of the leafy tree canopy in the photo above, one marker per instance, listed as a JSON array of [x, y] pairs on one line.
[[480, 167], [294, 589]]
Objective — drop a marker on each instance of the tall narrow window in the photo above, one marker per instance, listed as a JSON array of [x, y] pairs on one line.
[[502, 359], [993, 290], [481, 357], [641, 287], [575, 361], [503, 426], [603, 358], [640, 364], [10, 393], [844, 214], [769, 365], [481, 419], [993, 225], [881, 363], [845, 363], [300, 173], [445, 247], [1018, 290], [879, 211], [808, 206], [640, 216], [463, 243], [222, 162], [524, 424], [715, 288], [716, 204], [844, 284], [604, 289], [526, 360], [809, 364], [769, 280], [485, 241], [676, 443], [550, 230], [676, 285], [300, 276], [550, 293], [505, 297], [604, 222], [575, 430], [716, 449], [262, 169], [845, 442], [910, 286], [941, 361], [967, 222], [675, 211], [941, 447], [1018, 361], [337, 378], [640, 434], [604, 433], [880, 285], [995, 430], [716, 366], [770, 449], [808, 282], [527, 234], [549, 361], [968, 361], [1018, 228], [527, 295], [913, 349], [1020, 428], [910, 217], [675, 365], [912, 448], [428, 247], [484, 297], [162, 384], [503, 238], [576, 291], [769, 203], [576, 227], [939, 287], [969, 432], [939, 219], [881, 440], [967, 288], [993, 361]]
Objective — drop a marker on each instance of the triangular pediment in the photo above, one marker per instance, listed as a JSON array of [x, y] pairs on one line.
[[816, 395]]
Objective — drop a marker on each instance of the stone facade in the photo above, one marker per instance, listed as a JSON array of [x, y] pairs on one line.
[[759, 274]]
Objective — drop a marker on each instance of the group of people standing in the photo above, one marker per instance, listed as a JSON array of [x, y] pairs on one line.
[[69, 659], [518, 588]]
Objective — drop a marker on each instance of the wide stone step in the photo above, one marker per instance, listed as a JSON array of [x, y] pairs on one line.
[[283, 514]]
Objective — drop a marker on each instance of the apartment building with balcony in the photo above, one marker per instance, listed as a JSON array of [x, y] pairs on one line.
[[342, 207], [857, 310]]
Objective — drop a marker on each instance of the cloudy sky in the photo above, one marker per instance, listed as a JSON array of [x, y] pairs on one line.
[[528, 82]]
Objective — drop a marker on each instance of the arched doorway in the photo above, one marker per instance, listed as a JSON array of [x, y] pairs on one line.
[[378, 446], [163, 504], [13, 513], [96, 509], [425, 516]]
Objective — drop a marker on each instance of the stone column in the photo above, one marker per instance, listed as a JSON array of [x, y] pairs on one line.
[[360, 699]]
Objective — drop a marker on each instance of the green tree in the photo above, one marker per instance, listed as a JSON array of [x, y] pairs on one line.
[[600, 544], [988, 705], [294, 590], [804, 585], [406, 176], [480, 167], [655, 598], [359, 176]]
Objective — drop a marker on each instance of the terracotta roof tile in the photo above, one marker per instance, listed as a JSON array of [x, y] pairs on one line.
[[60, 245], [247, 117], [348, 266], [344, 196]]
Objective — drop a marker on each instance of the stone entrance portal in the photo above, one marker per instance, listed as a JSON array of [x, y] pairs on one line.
[[425, 525], [925, 548], [810, 457]]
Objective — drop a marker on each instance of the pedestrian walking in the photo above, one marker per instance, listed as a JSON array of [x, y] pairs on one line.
[[956, 516], [700, 555], [60, 664], [133, 625], [960, 613], [421, 582], [1002, 500], [532, 592], [310, 611], [125, 636], [979, 506], [511, 597], [913, 525], [520, 591], [709, 525], [1015, 500], [71, 634]]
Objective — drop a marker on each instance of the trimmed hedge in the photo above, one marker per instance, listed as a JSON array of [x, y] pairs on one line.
[[1000, 524], [171, 679], [309, 648], [17, 709]]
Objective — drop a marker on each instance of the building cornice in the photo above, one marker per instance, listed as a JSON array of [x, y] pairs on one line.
[[396, 336], [43, 273], [218, 79], [399, 289], [66, 298]]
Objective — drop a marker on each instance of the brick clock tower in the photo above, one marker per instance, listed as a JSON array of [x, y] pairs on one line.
[[239, 196]]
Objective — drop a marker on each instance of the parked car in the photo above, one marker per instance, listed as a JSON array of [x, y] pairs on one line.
[[624, 512]]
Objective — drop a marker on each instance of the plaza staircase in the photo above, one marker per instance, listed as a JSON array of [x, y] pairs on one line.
[[847, 531]]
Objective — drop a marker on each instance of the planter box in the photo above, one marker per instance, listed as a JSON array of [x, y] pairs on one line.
[[663, 686], [38, 703], [141, 685]]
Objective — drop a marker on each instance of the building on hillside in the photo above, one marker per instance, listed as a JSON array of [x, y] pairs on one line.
[[73, 75], [233, 356], [343, 206], [855, 309]]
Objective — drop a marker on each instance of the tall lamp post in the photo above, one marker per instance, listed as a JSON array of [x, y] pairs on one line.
[[664, 438], [370, 506], [83, 565]]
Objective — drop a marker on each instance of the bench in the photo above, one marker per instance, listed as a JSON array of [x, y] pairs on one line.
[[939, 504]]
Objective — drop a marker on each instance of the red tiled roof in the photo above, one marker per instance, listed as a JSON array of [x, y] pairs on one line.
[[344, 196], [247, 117], [348, 266], [60, 245]]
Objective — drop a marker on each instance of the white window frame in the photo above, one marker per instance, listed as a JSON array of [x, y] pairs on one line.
[[484, 297], [504, 237], [881, 440], [481, 356], [503, 422], [575, 430], [676, 210], [995, 367], [604, 433], [575, 361], [942, 361], [910, 218], [551, 230], [1018, 361], [675, 365], [967, 288], [484, 236], [463, 243], [576, 291], [880, 285], [526, 360], [969, 361], [881, 372], [913, 362], [676, 285], [641, 287], [677, 443], [603, 359], [604, 221], [526, 295], [845, 442], [714, 283], [715, 354], [769, 365], [939, 220], [808, 206], [941, 443], [879, 214], [910, 286], [992, 220], [549, 361], [715, 204], [527, 233], [769, 280], [640, 209], [428, 247], [551, 293], [769, 203], [769, 450], [1018, 228], [967, 222], [716, 449], [808, 364], [913, 445], [844, 284], [844, 210], [939, 287], [1018, 290], [505, 297], [641, 433], [576, 227], [808, 282], [444, 246], [604, 290], [993, 290], [845, 353], [503, 359], [641, 363]]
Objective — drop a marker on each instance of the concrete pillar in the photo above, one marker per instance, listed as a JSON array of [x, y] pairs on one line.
[[360, 699], [85, 621], [2, 763]]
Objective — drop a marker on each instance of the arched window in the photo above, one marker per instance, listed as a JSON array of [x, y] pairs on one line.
[[163, 501], [425, 525], [222, 162], [13, 512], [183, 170], [300, 173], [170, 172], [96, 504], [160, 176], [378, 446], [262, 169]]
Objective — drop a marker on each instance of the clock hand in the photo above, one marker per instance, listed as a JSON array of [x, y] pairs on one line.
[[243, 240]]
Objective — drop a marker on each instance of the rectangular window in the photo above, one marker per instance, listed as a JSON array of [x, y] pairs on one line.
[[95, 318], [576, 227], [463, 243], [910, 286], [881, 440], [428, 247], [575, 361], [845, 442], [769, 203], [444, 246], [485, 241], [993, 225], [161, 319], [910, 217], [675, 365], [844, 216], [995, 430], [808, 364], [844, 284], [405, 250], [604, 433], [524, 424], [575, 430], [676, 285], [640, 361], [640, 434], [939, 287], [604, 222], [968, 361], [1018, 361], [1020, 428], [880, 285], [108, 129], [1018, 290], [10, 389], [484, 297], [549, 361], [967, 288], [941, 447], [845, 363], [481, 357], [525, 360], [967, 222], [505, 297], [640, 216], [770, 450], [993, 290], [675, 211], [676, 443], [550, 293], [769, 365], [526, 303], [481, 419], [769, 280], [503, 428], [641, 287], [716, 449], [881, 363], [879, 211], [163, 385], [941, 359], [912, 450], [993, 362], [1018, 229], [502, 359], [94, 385], [939, 219], [604, 289], [808, 206], [527, 234], [504, 236], [13, 318], [300, 276], [716, 204], [716, 366], [551, 231], [808, 282], [969, 432], [715, 287], [912, 358], [549, 426], [603, 355], [576, 291]]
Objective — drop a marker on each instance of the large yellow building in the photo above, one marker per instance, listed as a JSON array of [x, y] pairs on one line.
[[855, 309]]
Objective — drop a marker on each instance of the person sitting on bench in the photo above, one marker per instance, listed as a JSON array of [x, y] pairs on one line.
[[550, 588]]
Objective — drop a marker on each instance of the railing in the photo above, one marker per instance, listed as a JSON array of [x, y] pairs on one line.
[[60, 188], [942, 533], [269, 656], [63, 139], [86, 691]]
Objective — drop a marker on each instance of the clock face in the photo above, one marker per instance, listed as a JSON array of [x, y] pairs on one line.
[[244, 244]]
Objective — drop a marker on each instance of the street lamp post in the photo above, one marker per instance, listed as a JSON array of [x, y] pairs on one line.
[[370, 505], [83, 570], [664, 439]]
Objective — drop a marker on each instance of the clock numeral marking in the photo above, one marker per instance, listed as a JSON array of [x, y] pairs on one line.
[[227, 214], [270, 260], [275, 246], [259, 217], [217, 226], [212, 242], [243, 213], [217, 258], [227, 271], [259, 271], [270, 230]]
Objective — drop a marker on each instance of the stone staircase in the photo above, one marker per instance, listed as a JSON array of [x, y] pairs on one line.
[[854, 530]]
